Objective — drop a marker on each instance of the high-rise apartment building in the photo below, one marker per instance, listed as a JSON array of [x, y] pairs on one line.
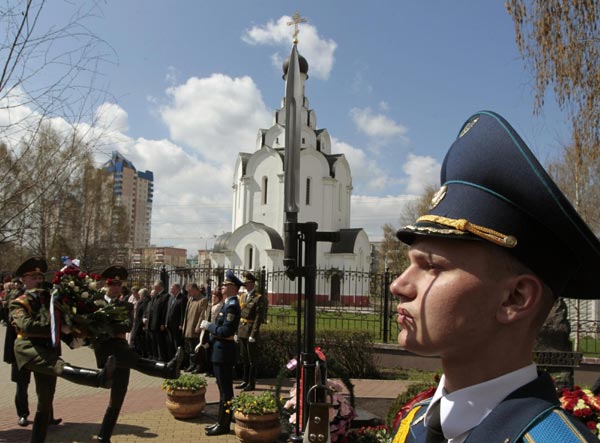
[[133, 190]]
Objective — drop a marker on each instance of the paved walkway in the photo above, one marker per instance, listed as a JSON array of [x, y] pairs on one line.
[[144, 417]]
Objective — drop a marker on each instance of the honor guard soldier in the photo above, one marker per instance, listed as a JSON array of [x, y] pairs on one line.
[[35, 351], [254, 312], [498, 245], [224, 352], [126, 357]]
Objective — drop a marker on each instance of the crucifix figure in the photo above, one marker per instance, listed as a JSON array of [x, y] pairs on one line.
[[296, 21]]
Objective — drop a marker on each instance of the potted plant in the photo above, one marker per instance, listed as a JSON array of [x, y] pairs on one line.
[[185, 395], [256, 417]]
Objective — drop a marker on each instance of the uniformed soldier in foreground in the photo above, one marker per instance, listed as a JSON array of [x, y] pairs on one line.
[[34, 349], [21, 377], [224, 352], [126, 357], [499, 244], [254, 312]]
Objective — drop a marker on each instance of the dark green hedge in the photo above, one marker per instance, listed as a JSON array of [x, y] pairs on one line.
[[351, 352]]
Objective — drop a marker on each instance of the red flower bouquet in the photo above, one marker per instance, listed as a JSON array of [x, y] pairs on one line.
[[584, 405]]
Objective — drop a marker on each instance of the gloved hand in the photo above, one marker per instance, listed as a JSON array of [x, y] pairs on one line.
[[197, 348], [204, 324], [235, 338], [251, 339]]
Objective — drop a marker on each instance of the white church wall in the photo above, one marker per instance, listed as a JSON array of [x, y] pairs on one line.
[[266, 165]]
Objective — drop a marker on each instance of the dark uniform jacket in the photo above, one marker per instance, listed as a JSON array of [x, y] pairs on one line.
[[31, 317], [531, 414], [254, 311], [175, 312], [222, 331], [116, 345], [157, 310]]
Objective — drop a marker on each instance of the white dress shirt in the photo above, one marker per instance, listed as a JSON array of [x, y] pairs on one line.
[[462, 410]]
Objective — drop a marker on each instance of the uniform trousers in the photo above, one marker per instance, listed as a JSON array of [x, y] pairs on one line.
[[22, 378], [224, 377]]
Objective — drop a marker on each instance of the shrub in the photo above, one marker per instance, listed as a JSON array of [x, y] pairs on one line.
[[261, 404], [404, 398], [347, 352], [185, 382]]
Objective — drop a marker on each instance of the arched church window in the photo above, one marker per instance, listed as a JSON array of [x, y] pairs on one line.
[[249, 257], [307, 191], [265, 185]]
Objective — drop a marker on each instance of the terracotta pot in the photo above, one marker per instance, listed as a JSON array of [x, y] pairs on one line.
[[257, 428], [183, 403]]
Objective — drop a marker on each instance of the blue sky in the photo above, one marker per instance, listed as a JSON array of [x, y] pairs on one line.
[[192, 82]]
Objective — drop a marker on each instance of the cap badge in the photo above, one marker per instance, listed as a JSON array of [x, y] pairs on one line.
[[438, 197], [468, 126]]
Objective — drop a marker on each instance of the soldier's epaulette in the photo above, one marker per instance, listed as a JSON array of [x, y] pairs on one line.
[[22, 300]]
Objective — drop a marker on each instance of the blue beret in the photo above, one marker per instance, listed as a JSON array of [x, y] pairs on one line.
[[494, 189], [231, 279]]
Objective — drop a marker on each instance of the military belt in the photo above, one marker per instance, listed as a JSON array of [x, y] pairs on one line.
[[246, 321], [223, 338], [25, 335]]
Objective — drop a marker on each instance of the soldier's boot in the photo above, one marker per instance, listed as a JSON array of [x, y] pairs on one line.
[[108, 424], [192, 364], [155, 368], [223, 427], [251, 385], [40, 427], [91, 377], [244, 382], [214, 425], [54, 421]]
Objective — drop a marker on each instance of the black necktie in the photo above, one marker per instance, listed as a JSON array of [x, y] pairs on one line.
[[434, 427]]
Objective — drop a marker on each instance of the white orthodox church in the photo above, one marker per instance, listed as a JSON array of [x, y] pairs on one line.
[[256, 239]]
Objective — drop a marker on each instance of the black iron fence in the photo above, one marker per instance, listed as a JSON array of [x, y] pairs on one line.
[[347, 299]]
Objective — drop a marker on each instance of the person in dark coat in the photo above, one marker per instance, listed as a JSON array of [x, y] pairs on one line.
[[224, 352], [174, 317], [487, 261], [35, 351], [157, 310], [138, 333], [126, 357]]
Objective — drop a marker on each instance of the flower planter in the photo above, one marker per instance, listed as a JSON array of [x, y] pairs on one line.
[[251, 428], [184, 403]]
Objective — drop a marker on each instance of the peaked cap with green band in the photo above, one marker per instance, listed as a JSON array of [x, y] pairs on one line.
[[495, 190]]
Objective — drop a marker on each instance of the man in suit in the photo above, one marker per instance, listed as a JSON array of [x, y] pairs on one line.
[[498, 245], [126, 357], [157, 310], [174, 317], [254, 312], [224, 352]]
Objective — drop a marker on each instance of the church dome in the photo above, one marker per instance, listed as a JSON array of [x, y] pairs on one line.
[[303, 65]]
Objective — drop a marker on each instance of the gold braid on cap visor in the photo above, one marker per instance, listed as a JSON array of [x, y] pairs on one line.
[[463, 225]]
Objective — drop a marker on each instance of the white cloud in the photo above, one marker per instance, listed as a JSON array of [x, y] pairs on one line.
[[421, 172], [366, 174], [377, 125], [217, 116], [112, 117], [319, 52], [371, 213]]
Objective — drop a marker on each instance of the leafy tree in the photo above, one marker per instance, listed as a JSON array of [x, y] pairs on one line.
[[560, 41]]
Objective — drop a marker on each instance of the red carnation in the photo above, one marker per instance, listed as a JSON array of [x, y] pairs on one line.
[[56, 280], [82, 275], [591, 425]]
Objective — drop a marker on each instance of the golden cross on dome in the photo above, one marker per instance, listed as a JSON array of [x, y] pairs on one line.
[[296, 21]]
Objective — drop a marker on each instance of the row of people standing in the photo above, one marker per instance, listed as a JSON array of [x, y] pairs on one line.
[[35, 348]]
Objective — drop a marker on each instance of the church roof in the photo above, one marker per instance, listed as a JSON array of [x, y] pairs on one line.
[[347, 241], [274, 237], [221, 242]]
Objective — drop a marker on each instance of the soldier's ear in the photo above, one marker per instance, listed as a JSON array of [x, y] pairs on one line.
[[521, 298]]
